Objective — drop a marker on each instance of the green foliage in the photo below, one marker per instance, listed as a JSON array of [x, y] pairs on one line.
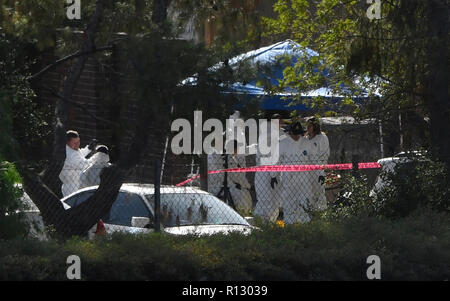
[[388, 55], [6, 140], [12, 88], [24, 120], [414, 248], [10, 82], [353, 200], [34, 21], [11, 216], [414, 185]]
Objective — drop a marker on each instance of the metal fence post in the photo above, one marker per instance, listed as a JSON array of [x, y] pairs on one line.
[[227, 197], [157, 196], [225, 182], [204, 172], [355, 167]]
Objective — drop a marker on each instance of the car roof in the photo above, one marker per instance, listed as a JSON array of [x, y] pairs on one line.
[[402, 157], [147, 189], [391, 160]]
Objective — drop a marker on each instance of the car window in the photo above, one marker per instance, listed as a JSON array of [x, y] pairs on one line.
[[78, 198], [125, 207], [183, 209]]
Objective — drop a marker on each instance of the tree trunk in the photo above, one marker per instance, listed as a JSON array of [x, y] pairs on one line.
[[159, 15], [438, 76]]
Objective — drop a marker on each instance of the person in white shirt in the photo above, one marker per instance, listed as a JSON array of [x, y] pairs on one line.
[[75, 162], [319, 153], [295, 189]]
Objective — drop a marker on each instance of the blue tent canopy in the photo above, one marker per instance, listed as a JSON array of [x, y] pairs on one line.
[[271, 56]]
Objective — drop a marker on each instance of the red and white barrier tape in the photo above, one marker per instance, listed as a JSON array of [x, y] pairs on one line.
[[289, 168]]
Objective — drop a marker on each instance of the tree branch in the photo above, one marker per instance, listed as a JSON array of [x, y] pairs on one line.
[[65, 59], [56, 94]]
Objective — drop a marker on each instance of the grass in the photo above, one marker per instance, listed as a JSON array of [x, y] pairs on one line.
[[411, 248]]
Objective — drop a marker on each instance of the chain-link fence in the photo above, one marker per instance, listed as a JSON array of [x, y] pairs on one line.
[[238, 189], [287, 191]]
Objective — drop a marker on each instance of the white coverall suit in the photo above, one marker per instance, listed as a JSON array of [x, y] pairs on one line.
[[295, 188], [268, 198], [320, 151], [215, 181], [74, 164], [91, 175], [239, 185]]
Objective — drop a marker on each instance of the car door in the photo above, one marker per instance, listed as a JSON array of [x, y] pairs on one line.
[[127, 206]]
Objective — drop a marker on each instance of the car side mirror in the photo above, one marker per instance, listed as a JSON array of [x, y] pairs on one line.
[[141, 222], [250, 220]]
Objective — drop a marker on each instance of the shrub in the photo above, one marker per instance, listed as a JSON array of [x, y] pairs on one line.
[[353, 199], [412, 248], [11, 222], [414, 185]]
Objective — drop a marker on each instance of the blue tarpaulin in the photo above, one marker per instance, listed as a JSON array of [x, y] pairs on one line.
[[270, 56], [271, 61]]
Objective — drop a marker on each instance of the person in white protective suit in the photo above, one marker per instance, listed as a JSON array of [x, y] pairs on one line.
[[215, 180], [75, 162], [294, 150], [319, 153], [91, 175], [268, 192], [237, 182]]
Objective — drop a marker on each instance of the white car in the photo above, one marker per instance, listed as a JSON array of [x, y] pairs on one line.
[[184, 210]]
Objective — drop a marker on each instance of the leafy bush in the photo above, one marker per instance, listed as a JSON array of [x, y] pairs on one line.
[[414, 185], [413, 248], [353, 200], [11, 222]]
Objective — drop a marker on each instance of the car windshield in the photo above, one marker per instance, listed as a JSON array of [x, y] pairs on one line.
[[186, 209]]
